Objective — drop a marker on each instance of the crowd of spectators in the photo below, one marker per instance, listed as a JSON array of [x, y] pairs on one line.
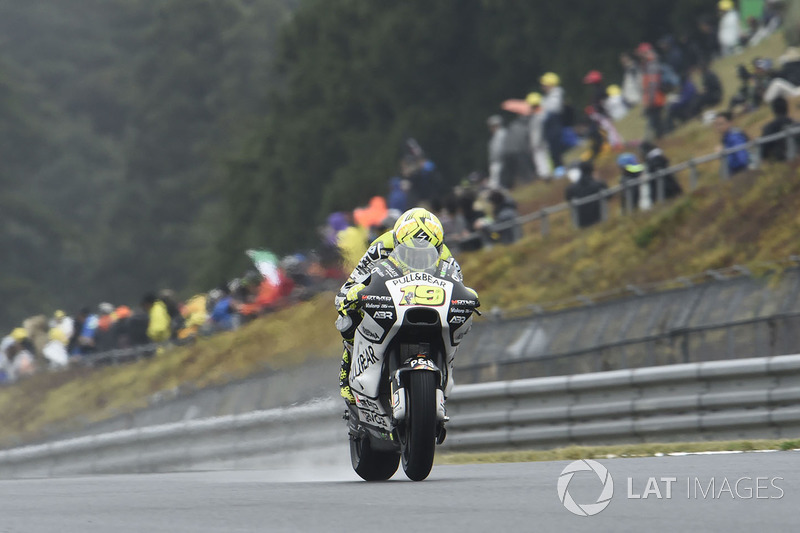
[[671, 82], [41, 343]]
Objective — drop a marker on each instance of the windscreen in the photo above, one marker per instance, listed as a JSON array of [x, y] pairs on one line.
[[417, 255]]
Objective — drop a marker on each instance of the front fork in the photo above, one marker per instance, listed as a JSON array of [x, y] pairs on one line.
[[418, 364]]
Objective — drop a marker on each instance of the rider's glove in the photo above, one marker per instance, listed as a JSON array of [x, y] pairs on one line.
[[350, 301]]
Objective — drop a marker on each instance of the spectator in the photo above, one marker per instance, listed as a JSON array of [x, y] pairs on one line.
[[426, 182], [504, 211], [601, 133], [684, 107], [732, 137], [632, 199], [467, 200], [553, 105], [158, 326], [517, 158], [137, 328], [751, 35], [591, 131], [729, 28], [762, 77], [656, 161], [105, 319], [497, 148], [454, 223], [74, 346], [350, 242], [196, 314], [712, 89], [55, 351], [120, 331], [708, 41], [631, 80], [777, 150], [63, 322], [672, 55], [690, 48], [398, 194], [591, 212], [86, 339], [16, 358], [653, 98], [222, 314], [173, 310], [615, 103], [754, 84], [539, 149], [594, 80], [786, 82]]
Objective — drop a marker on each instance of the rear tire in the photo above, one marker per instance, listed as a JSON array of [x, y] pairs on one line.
[[369, 464], [418, 443]]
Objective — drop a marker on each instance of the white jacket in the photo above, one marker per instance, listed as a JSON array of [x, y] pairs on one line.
[[553, 102], [729, 29]]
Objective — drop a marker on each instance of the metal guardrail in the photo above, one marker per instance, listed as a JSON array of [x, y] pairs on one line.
[[121, 355], [543, 215], [221, 442], [744, 399]]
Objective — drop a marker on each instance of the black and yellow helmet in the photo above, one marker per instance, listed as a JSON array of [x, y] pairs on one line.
[[419, 223]]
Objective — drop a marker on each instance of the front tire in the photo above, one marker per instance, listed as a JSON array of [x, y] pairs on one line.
[[418, 441], [369, 464]]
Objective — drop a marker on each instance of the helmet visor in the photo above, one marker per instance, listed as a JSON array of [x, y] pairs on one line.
[[417, 255]]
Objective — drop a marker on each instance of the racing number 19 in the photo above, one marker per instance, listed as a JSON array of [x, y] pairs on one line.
[[422, 295]]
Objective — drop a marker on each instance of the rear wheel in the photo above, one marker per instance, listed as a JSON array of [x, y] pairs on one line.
[[418, 440], [372, 465]]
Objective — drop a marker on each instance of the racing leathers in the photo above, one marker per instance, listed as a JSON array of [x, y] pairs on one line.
[[346, 300]]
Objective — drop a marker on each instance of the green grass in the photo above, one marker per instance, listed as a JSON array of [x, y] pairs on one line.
[[751, 218], [573, 453]]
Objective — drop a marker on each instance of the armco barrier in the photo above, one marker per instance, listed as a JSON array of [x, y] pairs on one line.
[[742, 399]]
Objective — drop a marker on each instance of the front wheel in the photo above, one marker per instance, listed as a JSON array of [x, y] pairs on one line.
[[418, 436], [370, 464]]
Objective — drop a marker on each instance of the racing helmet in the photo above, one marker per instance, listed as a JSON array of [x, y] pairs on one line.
[[419, 223]]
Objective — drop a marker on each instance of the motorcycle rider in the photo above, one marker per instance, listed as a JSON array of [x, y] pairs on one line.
[[416, 223]]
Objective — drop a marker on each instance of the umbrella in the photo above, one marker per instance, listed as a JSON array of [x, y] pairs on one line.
[[520, 107]]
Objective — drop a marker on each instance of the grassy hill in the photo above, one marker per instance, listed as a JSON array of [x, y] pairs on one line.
[[748, 219]]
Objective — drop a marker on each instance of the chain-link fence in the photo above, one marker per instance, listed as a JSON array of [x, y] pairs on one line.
[[726, 319]]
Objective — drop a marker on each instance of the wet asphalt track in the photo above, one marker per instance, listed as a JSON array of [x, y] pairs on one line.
[[489, 498]]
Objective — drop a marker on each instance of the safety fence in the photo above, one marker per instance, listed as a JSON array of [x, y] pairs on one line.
[[544, 215], [745, 399]]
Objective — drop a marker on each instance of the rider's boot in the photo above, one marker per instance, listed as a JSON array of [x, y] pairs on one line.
[[344, 373]]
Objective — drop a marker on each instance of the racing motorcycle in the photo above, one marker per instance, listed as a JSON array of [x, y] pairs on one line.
[[416, 311]]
